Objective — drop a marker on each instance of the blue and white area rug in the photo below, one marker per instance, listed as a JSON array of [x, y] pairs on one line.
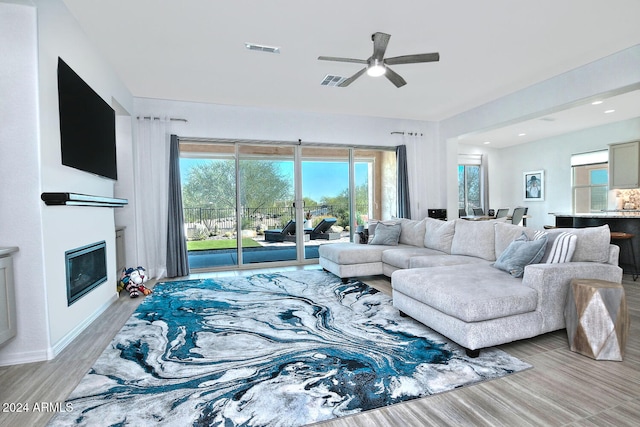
[[283, 349]]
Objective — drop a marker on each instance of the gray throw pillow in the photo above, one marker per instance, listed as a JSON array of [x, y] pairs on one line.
[[386, 234], [520, 253]]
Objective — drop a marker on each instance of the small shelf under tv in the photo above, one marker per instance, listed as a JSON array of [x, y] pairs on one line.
[[76, 199]]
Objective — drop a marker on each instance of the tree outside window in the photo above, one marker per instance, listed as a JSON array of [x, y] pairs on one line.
[[469, 187]]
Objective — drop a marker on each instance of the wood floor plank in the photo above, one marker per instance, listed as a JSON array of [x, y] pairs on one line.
[[563, 388]]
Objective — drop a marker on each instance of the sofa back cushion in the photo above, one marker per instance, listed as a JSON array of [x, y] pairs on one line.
[[507, 233], [474, 238], [592, 243], [438, 234], [412, 232]]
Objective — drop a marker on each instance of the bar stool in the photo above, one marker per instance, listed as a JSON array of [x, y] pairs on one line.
[[622, 236]]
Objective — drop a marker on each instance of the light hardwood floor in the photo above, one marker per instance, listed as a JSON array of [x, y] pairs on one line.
[[563, 388]]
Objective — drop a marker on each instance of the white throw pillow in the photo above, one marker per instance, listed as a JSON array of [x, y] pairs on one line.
[[560, 247]]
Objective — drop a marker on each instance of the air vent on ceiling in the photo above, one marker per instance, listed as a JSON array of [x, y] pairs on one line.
[[330, 80], [262, 48]]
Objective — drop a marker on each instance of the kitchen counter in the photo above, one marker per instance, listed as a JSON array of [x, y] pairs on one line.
[[626, 221], [604, 214]]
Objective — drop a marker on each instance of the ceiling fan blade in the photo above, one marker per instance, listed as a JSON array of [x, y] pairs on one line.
[[395, 78], [351, 79], [380, 42], [333, 58], [413, 59]]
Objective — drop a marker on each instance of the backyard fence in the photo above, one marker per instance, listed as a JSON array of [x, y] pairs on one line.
[[219, 221]]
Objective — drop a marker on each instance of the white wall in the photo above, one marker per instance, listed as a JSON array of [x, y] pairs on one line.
[[614, 74], [45, 30], [220, 121], [553, 155], [67, 228], [20, 222]]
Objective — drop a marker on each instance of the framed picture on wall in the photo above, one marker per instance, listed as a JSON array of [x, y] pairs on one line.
[[533, 186]]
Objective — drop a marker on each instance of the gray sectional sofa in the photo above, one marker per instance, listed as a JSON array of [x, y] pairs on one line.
[[479, 283]]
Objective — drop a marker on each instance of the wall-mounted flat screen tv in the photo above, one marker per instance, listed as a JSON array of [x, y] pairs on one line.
[[87, 126]]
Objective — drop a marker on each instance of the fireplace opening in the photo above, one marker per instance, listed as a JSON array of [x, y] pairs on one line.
[[86, 269]]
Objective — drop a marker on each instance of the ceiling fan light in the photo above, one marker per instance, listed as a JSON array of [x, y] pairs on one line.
[[376, 70]]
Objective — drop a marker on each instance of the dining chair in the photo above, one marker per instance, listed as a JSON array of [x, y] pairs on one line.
[[462, 212], [518, 214], [478, 211], [501, 213]]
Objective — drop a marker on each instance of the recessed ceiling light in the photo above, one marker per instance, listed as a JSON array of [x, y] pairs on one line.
[[596, 103], [487, 142], [522, 134], [609, 111]]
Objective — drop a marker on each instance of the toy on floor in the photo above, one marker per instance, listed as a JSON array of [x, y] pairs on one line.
[[133, 281]]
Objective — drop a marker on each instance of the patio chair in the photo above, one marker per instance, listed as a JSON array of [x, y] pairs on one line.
[[321, 231], [288, 233]]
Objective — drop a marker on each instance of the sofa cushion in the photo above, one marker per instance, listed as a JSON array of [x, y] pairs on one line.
[[561, 245], [412, 232], [592, 243], [400, 257], [507, 233], [351, 253], [443, 259], [438, 234], [471, 293], [520, 253], [474, 238], [386, 234]]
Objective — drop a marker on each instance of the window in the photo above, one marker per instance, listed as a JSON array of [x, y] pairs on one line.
[[470, 182], [590, 181]]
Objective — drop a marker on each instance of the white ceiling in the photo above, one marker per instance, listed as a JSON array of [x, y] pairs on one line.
[[194, 50]]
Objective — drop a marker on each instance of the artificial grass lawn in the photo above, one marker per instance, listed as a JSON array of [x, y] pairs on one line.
[[204, 245]]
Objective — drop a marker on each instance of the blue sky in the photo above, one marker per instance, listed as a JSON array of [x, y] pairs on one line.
[[318, 178]]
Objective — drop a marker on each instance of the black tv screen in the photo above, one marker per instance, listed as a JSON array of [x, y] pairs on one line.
[[87, 126]]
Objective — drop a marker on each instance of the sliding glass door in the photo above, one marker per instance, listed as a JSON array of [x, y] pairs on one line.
[[266, 197], [208, 177], [326, 195], [250, 203]]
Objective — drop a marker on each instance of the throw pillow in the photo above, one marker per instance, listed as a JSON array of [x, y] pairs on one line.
[[561, 246], [386, 234], [507, 233], [520, 253]]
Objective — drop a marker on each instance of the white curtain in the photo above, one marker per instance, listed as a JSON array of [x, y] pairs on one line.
[[151, 172]]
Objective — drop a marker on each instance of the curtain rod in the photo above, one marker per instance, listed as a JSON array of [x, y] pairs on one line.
[[173, 119], [281, 142]]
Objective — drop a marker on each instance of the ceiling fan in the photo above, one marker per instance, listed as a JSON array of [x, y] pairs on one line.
[[377, 64]]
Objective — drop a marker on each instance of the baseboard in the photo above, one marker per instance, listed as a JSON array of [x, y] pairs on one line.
[[51, 352], [73, 334], [25, 357]]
